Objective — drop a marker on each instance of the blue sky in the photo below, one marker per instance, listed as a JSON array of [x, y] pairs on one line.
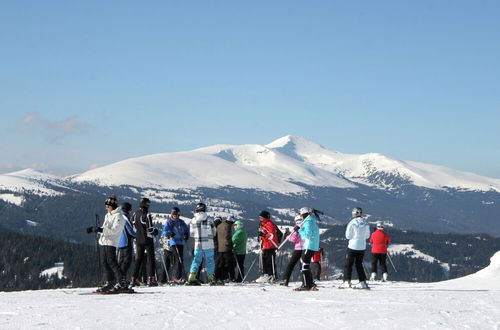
[[85, 84]]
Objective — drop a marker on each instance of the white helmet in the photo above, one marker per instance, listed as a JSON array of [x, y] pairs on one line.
[[298, 218], [305, 210], [357, 212], [380, 225]]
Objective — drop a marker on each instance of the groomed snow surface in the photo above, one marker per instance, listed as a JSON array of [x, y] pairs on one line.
[[471, 302]]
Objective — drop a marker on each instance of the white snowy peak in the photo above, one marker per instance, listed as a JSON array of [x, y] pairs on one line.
[[31, 180]]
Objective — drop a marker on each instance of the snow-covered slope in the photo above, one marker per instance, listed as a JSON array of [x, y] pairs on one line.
[[281, 166], [29, 180]]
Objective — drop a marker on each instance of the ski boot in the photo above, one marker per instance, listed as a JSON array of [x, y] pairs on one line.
[[384, 277], [372, 277], [361, 285], [105, 288], [345, 285], [192, 280], [313, 287], [152, 281]]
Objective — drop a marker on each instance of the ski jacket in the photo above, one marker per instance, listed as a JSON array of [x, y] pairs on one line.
[[202, 230], [142, 222], [112, 228], [317, 256], [224, 237], [295, 238], [239, 240], [128, 233], [357, 232], [309, 233], [178, 228], [270, 231], [380, 240]]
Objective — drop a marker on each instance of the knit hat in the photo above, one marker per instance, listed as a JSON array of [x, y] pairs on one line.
[[126, 207], [265, 214], [144, 203], [238, 223], [111, 201]]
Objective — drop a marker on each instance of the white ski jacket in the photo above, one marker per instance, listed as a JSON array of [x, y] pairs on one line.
[[112, 228], [202, 230], [357, 232]]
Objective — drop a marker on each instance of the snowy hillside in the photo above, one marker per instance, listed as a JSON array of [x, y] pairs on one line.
[[471, 302], [279, 166]]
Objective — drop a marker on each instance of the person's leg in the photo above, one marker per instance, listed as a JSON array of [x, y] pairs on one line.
[[349, 262], [305, 261], [296, 254], [359, 265]]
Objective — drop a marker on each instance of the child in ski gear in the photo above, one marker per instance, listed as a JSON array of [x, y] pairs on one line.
[[309, 233], [379, 240], [125, 247], [224, 262], [357, 232], [176, 231], [239, 240], [110, 233], [143, 224], [268, 234], [297, 252], [202, 231], [316, 264]]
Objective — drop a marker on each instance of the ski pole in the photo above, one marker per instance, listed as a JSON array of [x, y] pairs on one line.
[[390, 259], [248, 271], [180, 261], [239, 269], [97, 247], [164, 265]]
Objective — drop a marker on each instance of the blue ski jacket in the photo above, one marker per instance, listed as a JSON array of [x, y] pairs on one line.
[[177, 228], [128, 232], [309, 232]]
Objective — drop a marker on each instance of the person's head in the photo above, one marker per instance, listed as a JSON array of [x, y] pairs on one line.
[[238, 224], [304, 211], [264, 215], [111, 203], [175, 212], [144, 203], [380, 225], [200, 207], [126, 207], [357, 212], [298, 219]]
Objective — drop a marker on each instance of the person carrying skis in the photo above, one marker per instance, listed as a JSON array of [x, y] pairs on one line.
[[176, 231], [316, 264], [309, 233], [239, 240], [379, 240], [297, 252], [268, 234], [125, 248], [224, 262], [202, 231], [143, 224], [110, 233], [357, 232]]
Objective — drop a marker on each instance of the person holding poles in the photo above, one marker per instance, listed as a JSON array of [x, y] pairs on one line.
[[239, 240], [379, 240], [176, 231], [268, 235], [309, 233]]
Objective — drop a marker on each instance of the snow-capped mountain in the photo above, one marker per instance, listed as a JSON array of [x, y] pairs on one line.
[[285, 166]]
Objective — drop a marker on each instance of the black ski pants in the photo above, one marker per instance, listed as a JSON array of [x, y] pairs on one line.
[[354, 257], [224, 262], [168, 259], [269, 262], [111, 270], [379, 258], [240, 267], [316, 270], [125, 258], [178, 266], [305, 260], [150, 259], [296, 254]]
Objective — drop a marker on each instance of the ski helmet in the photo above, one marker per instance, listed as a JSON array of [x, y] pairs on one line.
[[111, 201], [305, 210], [200, 207], [357, 212], [265, 214], [380, 225], [175, 210], [127, 207], [144, 203]]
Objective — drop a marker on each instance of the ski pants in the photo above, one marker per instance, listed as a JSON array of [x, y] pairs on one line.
[[305, 261], [269, 262], [112, 272], [379, 258], [168, 259], [198, 258], [354, 257], [150, 259], [125, 258], [240, 267], [224, 264], [178, 266], [316, 270], [296, 254]]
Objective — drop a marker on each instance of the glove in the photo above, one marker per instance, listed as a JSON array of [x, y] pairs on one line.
[[94, 229], [89, 230], [170, 234], [296, 228], [185, 237], [153, 231], [261, 234], [287, 232]]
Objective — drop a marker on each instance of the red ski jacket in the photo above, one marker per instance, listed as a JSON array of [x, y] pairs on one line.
[[270, 231], [317, 256], [380, 240]]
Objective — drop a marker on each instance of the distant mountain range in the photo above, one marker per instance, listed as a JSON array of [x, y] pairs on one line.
[[280, 176]]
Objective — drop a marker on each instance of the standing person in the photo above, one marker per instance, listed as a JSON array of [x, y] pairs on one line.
[[125, 247], [143, 224], [239, 240], [297, 252], [202, 231], [268, 234], [176, 231], [224, 263], [309, 233], [357, 232], [379, 240], [110, 233], [316, 264]]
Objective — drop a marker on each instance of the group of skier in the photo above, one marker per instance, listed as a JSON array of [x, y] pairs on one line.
[[219, 246]]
